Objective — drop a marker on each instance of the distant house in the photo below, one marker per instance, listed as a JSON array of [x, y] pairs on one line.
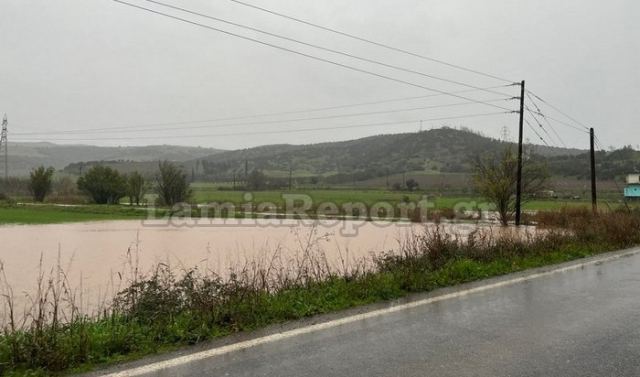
[[632, 191], [546, 194]]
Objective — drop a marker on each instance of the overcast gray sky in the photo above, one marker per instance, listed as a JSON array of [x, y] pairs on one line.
[[94, 64]]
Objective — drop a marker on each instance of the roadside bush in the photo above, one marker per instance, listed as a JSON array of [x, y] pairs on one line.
[[619, 228], [562, 218]]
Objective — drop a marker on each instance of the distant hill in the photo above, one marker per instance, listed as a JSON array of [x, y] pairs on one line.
[[609, 165], [25, 156], [444, 150]]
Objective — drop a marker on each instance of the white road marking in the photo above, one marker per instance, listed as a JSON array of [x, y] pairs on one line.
[[182, 360]]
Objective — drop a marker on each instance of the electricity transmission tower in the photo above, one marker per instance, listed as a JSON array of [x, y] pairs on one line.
[[4, 146], [505, 134]]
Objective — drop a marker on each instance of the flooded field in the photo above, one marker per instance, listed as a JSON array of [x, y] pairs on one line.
[[97, 256]]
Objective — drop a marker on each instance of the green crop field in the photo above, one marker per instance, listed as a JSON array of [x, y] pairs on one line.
[[203, 193], [50, 214], [209, 193], [339, 197]]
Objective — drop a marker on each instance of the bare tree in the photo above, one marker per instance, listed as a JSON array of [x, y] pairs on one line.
[[495, 177]]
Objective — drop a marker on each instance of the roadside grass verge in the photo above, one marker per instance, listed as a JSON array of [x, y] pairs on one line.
[[165, 308]]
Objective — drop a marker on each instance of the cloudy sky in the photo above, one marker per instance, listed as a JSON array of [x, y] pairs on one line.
[[100, 72]]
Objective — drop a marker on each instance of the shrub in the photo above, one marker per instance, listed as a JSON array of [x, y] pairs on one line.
[[40, 183], [103, 184], [562, 218]]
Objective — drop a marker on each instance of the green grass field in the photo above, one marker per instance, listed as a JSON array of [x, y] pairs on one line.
[[207, 193], [49, 214], [339, 197]]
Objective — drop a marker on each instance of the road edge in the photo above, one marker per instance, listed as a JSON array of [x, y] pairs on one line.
[[274, 333]]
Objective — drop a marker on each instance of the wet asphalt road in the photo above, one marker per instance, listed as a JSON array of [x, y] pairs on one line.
[[584, 322]]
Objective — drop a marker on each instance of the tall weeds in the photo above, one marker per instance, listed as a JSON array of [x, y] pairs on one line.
[[167, 307]]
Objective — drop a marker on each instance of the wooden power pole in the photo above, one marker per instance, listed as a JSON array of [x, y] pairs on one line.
[[594, 195]]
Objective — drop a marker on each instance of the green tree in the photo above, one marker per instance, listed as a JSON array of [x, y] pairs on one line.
[[172, 185], [412, 184], [136, 188], [40, 183], [495, 177], [103, 184], [256, 180]]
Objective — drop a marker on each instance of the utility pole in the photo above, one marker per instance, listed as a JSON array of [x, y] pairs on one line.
[[290, 177], [387, 178], [4, 141], [246, 170], [519, 178], [594, 195]]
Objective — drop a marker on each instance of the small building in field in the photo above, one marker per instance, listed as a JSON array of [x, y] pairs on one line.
[[546, 194], [632, 191]]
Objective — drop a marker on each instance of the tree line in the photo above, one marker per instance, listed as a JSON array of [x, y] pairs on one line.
[[105, 185], [494, 178]]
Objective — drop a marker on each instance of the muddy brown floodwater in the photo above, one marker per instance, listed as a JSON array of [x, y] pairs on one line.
[[94, 255]]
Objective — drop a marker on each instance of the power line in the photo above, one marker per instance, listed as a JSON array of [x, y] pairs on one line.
[[557, 121], [262, 115], [352, 36], [560, 111], [262, 122], [356, 69], [536, 132], [599, 144], [533, 116], [468, 116], [545, 120], [322, 47]]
